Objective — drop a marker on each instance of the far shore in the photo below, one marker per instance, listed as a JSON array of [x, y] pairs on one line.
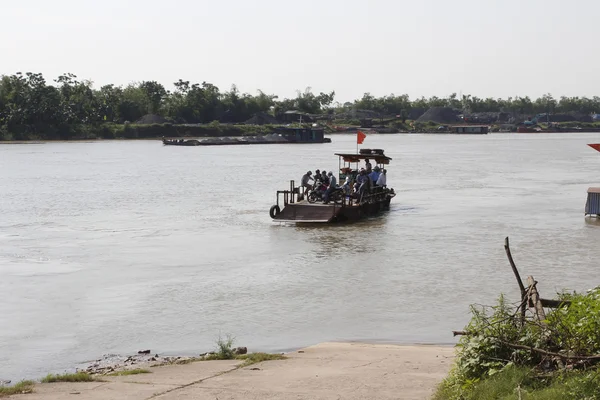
[[348, 370], [99, 140]]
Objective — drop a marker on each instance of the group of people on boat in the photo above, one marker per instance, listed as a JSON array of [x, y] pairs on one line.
[[364, 181], [323, 181]]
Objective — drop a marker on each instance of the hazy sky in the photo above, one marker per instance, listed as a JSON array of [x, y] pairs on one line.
[[421, 47]]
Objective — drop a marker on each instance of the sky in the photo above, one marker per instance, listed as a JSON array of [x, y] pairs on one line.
[[486, 48]]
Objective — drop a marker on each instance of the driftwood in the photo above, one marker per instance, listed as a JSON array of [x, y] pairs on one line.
[[534, 299], [530, 296], [550, 353], [519, 281], [535, 349], [513, 266]]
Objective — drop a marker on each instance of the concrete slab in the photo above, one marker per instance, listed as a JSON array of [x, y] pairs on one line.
[[94, 391], [333, 371], [352, 371], [180, 374]]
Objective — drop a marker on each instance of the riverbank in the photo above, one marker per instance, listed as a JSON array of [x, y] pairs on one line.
[[323, 371], [220, 133]]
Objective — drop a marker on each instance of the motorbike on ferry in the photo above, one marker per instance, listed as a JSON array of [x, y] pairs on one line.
[[318, 194]]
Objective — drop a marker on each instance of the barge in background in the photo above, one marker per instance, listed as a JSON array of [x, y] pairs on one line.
[[282, 135]]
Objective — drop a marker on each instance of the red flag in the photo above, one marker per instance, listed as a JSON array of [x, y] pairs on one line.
[[360, 137], [595, 146]]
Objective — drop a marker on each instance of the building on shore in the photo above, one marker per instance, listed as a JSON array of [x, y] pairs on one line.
[[469, 129]]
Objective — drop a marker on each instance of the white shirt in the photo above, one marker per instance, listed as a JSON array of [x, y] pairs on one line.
[[381, 181]]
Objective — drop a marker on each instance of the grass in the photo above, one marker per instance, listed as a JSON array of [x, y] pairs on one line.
[[254, 358], [130, 372], [225, 351], [76, 377], [188, 360], [518, 383], [20, 388]]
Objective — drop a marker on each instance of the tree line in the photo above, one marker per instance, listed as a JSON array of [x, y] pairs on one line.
[[28, 100]]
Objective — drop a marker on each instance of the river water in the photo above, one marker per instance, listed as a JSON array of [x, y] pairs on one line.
[[117, 246]]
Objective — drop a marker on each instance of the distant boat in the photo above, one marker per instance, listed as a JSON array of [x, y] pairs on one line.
[[527, 129], [181, 142]]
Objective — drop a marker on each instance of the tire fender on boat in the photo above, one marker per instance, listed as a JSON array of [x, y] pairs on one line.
[[274, 211]]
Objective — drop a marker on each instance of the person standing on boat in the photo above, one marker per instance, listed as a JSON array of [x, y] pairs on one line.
[[359, 179], [332, 186], [364, 183], [382, 180], [346, 186], [304, 181], [374, 175], [368, 166]]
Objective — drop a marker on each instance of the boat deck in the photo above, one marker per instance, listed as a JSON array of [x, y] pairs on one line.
[[303, 211]]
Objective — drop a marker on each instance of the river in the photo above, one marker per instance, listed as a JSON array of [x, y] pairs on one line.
[[117, 246]]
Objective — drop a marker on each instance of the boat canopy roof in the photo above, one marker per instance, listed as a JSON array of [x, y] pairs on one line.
[[353, 157]]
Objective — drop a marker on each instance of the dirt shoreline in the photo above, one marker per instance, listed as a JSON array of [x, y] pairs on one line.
[[324, 371]]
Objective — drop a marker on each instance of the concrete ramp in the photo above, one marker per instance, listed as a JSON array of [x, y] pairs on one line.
[[327, 371], [306, 212]]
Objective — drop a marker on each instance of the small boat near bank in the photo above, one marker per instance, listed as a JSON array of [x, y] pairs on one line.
[[299, 208], [592, 204]]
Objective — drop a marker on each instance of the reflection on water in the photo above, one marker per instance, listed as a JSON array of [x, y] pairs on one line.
[[593, 221], [333, 240], [111, 247]]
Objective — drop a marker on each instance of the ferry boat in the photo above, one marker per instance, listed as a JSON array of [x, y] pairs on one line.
[[299, 206]]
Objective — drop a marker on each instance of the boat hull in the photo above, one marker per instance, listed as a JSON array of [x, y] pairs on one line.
[[304, 212], [192, 142]]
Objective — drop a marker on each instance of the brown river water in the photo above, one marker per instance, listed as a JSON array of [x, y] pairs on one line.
[[117, 246]]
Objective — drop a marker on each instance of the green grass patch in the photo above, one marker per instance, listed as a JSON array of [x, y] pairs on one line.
[[130, 372], [501, 356], [76, 377], [189, 360], [254, 358], [22, 387], [514, 383], [225, 351]]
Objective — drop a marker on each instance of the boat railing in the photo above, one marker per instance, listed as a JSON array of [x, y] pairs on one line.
[[375, 195], [290, 196], [296, 194]]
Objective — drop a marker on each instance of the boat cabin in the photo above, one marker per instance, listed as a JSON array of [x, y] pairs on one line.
[[350, 163]]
